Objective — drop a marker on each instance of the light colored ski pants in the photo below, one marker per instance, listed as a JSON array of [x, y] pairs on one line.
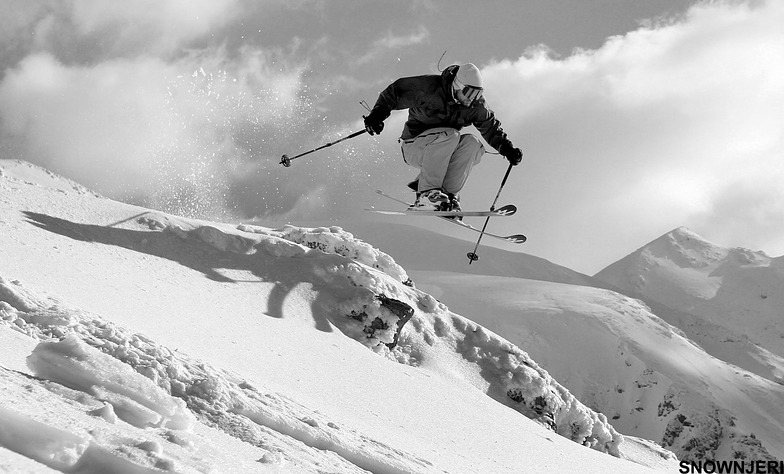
[[444, 157]]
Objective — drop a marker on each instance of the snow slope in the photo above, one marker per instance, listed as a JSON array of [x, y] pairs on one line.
[[418, 249], [279, 351], [621, 359], [730, 299]]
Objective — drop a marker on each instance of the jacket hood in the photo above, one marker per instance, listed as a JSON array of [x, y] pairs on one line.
[[447, 78]]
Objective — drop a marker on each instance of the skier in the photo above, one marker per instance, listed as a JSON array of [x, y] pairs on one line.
[[438, 107]]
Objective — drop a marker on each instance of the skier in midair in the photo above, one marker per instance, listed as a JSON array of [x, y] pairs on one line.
[[438, 107]]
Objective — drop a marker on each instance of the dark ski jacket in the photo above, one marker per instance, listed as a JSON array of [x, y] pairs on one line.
[[430, 104]]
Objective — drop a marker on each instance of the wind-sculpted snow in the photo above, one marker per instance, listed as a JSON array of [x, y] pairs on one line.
[[133, 397], [132, 374], [336, 240]]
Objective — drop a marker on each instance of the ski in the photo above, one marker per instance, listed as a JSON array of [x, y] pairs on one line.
[[514, 238], [507, 210]]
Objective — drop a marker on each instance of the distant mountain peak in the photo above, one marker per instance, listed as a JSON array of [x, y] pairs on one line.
[[684, 232], [685, 248]]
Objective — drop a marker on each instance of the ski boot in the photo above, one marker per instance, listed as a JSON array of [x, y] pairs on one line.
[[453, 205], [433, 198]]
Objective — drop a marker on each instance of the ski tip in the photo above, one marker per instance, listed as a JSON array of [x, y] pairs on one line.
[[508, 210], [387, 212], [517, 238]]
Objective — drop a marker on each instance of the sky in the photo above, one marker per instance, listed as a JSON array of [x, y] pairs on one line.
[[635, 117]]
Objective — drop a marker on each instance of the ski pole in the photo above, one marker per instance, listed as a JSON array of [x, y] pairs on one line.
[[472, 256], [286, 161]]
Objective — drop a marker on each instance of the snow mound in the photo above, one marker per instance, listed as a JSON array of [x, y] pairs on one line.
[[133, 397], [336, 240]]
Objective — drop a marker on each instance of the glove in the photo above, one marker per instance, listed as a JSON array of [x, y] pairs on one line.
[[514, 155], [374, 124]]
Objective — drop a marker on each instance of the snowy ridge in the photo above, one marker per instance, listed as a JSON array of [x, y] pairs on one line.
[[23, 172], [730, 299], [334, 239]]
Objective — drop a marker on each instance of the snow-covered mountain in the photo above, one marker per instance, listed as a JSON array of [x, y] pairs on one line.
[[619, 358], [636, 363], [134, 341], [729, 300]]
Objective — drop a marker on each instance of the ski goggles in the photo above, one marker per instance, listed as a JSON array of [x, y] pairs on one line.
[[469, 93]]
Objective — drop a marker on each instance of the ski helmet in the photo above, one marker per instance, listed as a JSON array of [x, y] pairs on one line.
[[468, 75], [467, 85]]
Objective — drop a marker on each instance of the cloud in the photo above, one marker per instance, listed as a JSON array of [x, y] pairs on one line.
[[657, 128], [168, 131], [392, 42], [91, 30]]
